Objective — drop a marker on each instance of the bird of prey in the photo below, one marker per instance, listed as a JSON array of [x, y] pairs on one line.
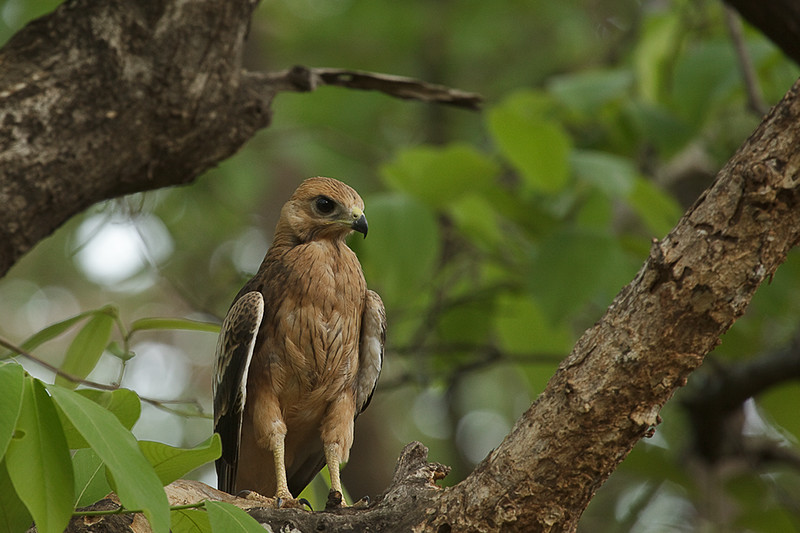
[[300, 350]]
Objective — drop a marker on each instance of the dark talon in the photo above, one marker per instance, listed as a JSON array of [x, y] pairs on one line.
[[278, 502], [305, 502], [363, 503], [243, 493]]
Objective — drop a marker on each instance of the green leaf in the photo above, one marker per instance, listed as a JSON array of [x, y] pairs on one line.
[[574, 266], [171, 463], [588, 91], [402, 247], [173, 323], [189, 521], [779, 404], [87, 347], [659, 211], [137, 485], [704, 77], [124, 403], [534, 143], [522, 327], [12, 386], [14, 516], [655, 53], [230, 519], [439, 175], [477, 219], [38, 461], [612, 174], [50, 332], [90, 478]]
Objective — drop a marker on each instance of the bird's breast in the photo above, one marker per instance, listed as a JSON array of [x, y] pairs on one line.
[[312, 347]]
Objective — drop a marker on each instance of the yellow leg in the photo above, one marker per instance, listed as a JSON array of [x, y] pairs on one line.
[[282, 486], [332, 457]]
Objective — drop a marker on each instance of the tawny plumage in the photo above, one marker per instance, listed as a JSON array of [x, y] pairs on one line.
[[300, 350]]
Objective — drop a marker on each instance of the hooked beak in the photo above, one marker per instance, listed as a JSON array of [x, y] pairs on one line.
[[360, 224]]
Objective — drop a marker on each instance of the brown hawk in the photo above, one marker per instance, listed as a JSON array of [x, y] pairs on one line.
[[300, 350]]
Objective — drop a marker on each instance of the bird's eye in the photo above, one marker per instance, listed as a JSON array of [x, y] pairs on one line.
[[324, 205]]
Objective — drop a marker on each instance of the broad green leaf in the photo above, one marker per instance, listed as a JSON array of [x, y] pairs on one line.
[[532, 141], [572, 267], [654, 124], [477, 220], [38, 461], [12, 386], [189, 521], [171, 463], [523, 328], [437, 176], [124, 403], [596, 211], [14, 516], [612, 174], [780, 406], [588, 91], [705, 75], [87, 347], [52, 331], [653, 57], [230, 519], [656, 208], [137, 485], [90, 478], [173, 323], [402, 247]]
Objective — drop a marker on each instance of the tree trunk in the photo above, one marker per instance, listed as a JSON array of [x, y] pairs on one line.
[[102, 99]]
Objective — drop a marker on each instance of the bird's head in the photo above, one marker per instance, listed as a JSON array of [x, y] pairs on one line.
[[322, 208]]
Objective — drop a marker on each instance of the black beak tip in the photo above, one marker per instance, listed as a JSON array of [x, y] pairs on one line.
[[360, 225]]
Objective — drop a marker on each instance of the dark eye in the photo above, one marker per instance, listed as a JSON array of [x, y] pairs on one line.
[[324, 205]]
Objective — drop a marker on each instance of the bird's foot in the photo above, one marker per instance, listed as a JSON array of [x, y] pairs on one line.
[[252, 496], [335, 500], [292, 503], [363, 503]]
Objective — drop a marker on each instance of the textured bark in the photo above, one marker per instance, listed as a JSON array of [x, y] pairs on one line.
[[101, 99]]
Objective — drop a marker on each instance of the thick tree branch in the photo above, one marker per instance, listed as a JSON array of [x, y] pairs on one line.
[[103, 99]]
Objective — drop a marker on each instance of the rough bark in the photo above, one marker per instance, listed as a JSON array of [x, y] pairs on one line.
[[103, 99]]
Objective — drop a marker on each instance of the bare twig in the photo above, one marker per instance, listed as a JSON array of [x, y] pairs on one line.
[[160, 404], [304, 79], [755, 100]]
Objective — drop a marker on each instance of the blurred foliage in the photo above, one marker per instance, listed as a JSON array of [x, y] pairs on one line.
[[495, 238]]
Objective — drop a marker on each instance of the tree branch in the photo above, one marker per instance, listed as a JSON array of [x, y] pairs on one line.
[[303, 79], [103, 99]]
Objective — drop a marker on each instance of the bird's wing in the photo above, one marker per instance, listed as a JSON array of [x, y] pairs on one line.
[[370, 352], [237, 339]]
